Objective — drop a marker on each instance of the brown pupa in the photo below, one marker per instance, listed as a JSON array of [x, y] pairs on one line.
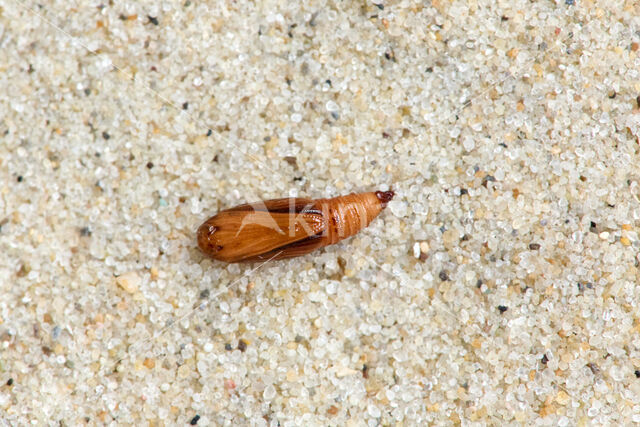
[[286, 228]]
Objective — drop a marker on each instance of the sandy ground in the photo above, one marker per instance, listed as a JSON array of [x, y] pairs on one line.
[[498, 288]]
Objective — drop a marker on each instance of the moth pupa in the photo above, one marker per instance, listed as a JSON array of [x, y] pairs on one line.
[[286, 228]]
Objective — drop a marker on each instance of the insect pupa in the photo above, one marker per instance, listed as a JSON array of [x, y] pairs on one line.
[[287, 228]]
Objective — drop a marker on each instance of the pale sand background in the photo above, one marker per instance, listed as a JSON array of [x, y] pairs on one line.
[[500, 287]]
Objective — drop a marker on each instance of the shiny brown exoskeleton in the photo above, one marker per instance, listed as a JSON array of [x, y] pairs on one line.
[[286, 228]]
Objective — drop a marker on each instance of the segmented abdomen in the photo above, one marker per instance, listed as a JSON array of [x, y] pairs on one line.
[[347, 215]]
